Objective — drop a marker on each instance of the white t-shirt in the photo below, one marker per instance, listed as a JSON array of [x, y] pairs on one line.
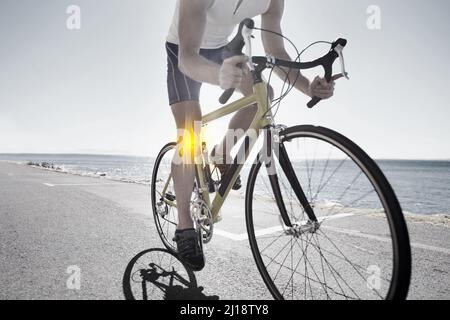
[[221, 20]]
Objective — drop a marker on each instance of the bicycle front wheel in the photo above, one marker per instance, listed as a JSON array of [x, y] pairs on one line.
[[358, 247]]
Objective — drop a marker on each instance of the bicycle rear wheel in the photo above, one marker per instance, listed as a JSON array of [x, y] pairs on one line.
[[166, 216], [359, 246]]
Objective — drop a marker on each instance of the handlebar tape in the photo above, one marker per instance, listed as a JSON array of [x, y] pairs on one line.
[[313, 102], [225, 97]]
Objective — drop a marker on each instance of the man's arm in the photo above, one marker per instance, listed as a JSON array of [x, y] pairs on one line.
[[274, 46], [191, 30]]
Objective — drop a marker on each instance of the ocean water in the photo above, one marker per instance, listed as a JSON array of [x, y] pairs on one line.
[[423, 187], [122, 168]]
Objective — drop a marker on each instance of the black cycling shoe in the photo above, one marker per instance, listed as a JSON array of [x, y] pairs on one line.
[[189, 249], [223, 168]]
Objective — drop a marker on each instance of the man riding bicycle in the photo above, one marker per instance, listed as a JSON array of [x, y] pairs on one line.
[[197, 53]]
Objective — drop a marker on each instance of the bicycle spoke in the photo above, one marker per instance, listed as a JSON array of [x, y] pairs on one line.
[[271, 243], [355, 201], [292, 270], [341, 258], [306, 269], [313, 200], [310, 279], [331, 176], [334, 272], [346, 190], [321, 264], [273, 259], [349, 262], [285, 258], [298, 264], [312, 267], [292, 266]]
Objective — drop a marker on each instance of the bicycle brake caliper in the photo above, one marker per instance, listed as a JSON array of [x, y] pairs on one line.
[[276, 130]]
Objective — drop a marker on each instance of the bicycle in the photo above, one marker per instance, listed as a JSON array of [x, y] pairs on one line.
[[323, 223]]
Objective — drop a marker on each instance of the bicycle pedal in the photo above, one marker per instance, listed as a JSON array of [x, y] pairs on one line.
[[214, 186], [171, 197]]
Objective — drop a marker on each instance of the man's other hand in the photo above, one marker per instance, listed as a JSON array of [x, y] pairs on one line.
[[230, 74]]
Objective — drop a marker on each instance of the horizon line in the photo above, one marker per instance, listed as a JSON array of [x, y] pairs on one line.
[[149, 156]]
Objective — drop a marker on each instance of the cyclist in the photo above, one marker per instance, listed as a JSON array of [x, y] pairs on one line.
[[197, 53]]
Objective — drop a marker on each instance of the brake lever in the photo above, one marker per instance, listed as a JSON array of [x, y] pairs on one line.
[[339, 51], [247, 34], [338, 47]]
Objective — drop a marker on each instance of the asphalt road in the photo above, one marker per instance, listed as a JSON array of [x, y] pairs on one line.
[[54, 227]]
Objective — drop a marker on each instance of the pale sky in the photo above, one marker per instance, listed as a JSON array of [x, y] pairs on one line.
[[102, 89]]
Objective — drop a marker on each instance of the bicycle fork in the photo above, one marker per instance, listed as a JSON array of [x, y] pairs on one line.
[[273, 146]]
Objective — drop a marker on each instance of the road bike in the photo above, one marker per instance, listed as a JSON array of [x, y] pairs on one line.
[[323, 221]]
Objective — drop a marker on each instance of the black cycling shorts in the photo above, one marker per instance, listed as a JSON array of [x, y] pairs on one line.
[[180, 87]]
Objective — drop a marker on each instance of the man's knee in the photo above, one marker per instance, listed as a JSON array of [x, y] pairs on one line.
[[188, 149], [188, 118]]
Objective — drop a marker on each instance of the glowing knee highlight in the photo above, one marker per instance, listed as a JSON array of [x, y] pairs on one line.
[[189, 146]]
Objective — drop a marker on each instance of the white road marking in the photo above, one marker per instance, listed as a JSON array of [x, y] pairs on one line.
[[269, 231], [231, 236], [357, 233], [387, 240], [49, 185], [430, 248], [336, 216], [80, 184]]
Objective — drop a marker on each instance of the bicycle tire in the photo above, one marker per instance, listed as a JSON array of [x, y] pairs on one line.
[[401, 272], [165, 238]]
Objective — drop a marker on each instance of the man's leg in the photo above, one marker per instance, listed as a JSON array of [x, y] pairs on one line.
[[183, 168]]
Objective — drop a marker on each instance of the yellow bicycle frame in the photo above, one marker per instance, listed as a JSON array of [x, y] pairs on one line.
[[260, 121]]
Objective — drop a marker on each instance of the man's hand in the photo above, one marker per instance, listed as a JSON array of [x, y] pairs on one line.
[[230, 74], [320, 88]]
